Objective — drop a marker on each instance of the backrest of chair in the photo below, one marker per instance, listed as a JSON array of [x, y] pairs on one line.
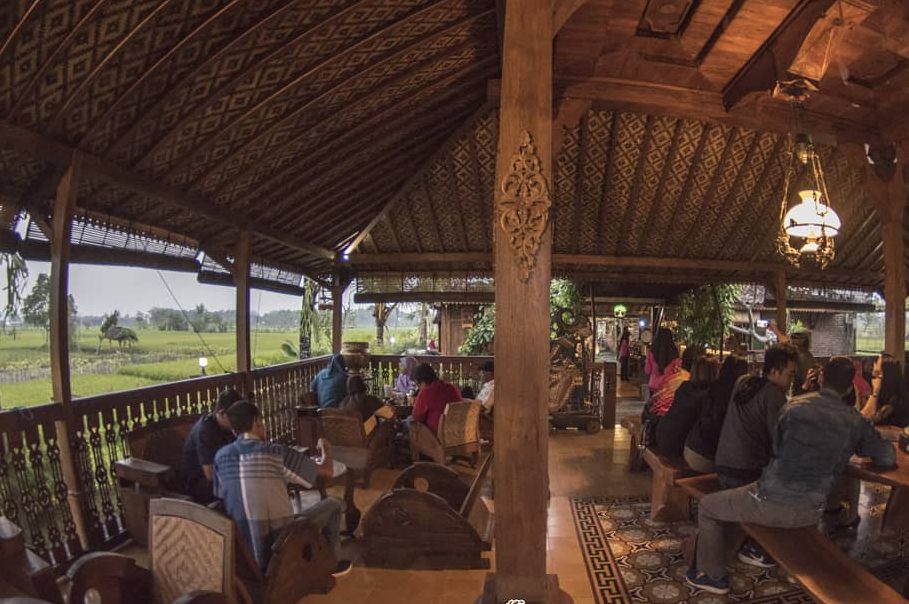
[[342, 428], [460, 424], [190, 548], [560, 381], [162, 441]]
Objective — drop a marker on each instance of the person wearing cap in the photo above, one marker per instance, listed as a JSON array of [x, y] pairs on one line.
[[486, 396]]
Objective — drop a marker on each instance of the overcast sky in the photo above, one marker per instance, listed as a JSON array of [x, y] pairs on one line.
[[102, 289]]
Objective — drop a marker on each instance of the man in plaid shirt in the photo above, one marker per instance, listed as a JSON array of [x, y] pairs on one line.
[[250, 475]]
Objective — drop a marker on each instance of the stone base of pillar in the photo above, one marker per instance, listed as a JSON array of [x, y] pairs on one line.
[[554, 595]]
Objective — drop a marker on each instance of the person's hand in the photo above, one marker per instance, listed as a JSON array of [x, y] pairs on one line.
[[811, 380], [324, 448]]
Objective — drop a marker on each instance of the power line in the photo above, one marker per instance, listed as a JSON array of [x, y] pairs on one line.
[[210, 352]]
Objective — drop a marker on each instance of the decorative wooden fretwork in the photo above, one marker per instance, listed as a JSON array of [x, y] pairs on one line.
[[523, 206]]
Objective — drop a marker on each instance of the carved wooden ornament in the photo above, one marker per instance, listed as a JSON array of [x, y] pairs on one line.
[[524, 205]]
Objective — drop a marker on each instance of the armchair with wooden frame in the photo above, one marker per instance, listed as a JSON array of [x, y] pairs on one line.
[[360, 452], [458, 435], [193, 548], [152, 470]]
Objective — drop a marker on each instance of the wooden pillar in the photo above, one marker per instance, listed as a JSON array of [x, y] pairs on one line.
[[779, 292], [241, 283], [885, 185], [523, 254], [61, 226], [341, 281]]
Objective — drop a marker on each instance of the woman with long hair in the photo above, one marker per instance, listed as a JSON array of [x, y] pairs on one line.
[[624, 352], [887, 402], [689, 401], [661, 354], [673, 371], [704, 436]]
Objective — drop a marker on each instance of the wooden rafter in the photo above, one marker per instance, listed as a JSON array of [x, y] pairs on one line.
[[274, 96], [235, 81], [286, 181], [52, 57], [634, 194], [57, 121], [562, 10], [368, 184], [60, 154], [466, 127], [432, 218], [583, 138], [426, 40], [17, 29], [772, 60], [610, 167]]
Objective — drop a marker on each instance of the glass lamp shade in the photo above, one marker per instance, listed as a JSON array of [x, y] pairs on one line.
[[811, 218]]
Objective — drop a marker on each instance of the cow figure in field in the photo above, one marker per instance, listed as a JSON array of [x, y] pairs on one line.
[[121, 335]]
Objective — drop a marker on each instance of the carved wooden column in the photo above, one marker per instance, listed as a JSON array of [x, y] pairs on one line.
[[61, 226], [523, 253], [241, 282], [779, 293]]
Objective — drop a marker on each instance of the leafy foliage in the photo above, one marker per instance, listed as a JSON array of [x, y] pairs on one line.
[[564, 298], [16, 278], [36, 305], [110, 320], [704, 314]]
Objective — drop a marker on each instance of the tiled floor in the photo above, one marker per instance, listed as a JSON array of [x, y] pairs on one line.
[[579, 464]]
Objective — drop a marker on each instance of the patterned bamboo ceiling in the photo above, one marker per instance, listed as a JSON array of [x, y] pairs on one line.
[[303, 120], [631, 185]]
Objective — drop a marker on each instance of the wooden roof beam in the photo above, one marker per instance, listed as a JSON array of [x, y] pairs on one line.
[[60, 154], [662, 99], [586, 260]]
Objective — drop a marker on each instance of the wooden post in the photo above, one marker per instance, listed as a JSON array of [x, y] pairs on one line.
[[523, 255], [779, 292], [64, 204], [885, 184], [341, 281], [241, 282]]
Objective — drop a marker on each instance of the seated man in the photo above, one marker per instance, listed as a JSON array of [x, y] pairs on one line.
[[487, 393], [814, 438], [433, 396], [251, 476], [210, 433]]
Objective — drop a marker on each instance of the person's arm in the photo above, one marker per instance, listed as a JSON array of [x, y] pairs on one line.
[[872, 445], [773, 404], [649, 364]]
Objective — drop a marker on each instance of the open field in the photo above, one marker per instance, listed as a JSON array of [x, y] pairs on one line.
[[158, 357]]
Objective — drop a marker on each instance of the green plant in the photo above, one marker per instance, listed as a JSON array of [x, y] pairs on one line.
[[16, 278], [704, 313], [480, 337]]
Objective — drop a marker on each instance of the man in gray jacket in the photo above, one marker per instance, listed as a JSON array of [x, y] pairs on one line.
[[814, 438]]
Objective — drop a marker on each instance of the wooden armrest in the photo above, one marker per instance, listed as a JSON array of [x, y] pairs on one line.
[[145, 473]]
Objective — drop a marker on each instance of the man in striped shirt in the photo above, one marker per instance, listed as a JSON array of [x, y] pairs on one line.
[[251, 475]]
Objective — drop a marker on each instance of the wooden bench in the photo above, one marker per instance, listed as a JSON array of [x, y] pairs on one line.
[[408, 527], [632, 423], [818, 564], [668, 502]]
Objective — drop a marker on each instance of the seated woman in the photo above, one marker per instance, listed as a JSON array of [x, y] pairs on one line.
[[674, 374], [363, 403], [330, 384], [887, 403], [434, 395], [691, 398], [704, 436], [405, 385]]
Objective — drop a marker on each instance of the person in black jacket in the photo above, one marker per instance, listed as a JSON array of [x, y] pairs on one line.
[[689, 401], [702, 440]]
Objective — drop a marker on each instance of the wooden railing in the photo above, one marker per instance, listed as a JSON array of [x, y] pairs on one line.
[[33, 492], [460, 371]]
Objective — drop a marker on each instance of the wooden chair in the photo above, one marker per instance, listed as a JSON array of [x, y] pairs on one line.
[[152, 470], [668, 502], [350, 442], [458, 436], [108, 578], [408, 528], [193, 548], [816, 562]]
